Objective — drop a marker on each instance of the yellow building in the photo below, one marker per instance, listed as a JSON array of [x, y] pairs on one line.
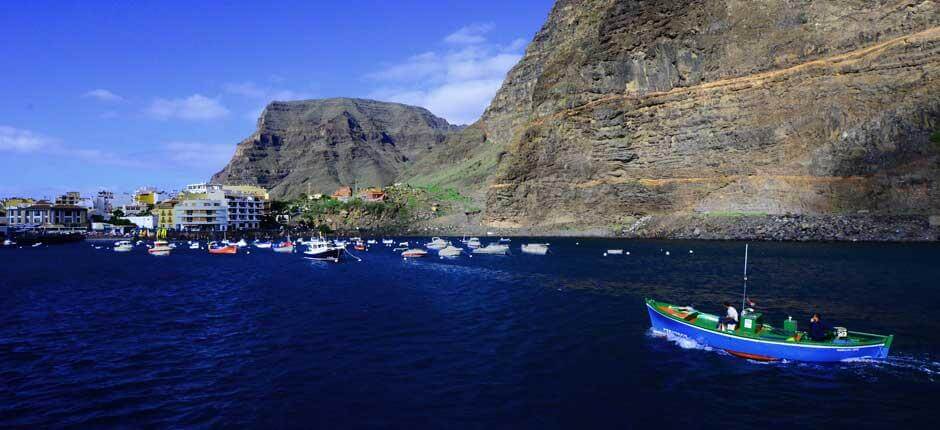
[[18, 201], [164, 213], [146, 198], [252, 190]]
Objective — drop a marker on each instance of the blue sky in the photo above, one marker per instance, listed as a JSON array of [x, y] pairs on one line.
[[119, 95]]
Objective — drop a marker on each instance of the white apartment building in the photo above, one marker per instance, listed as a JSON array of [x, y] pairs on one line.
[[210, 214], [244, 209]]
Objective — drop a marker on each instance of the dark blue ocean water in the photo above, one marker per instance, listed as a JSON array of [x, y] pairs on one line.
[[90, 338]]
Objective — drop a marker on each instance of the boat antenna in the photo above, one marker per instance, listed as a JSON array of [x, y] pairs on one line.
[[744, 297]]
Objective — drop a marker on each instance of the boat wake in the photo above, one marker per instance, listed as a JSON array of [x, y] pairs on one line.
[[682, 341], [923, 366]]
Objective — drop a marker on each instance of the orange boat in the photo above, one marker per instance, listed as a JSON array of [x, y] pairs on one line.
[[215, 248]]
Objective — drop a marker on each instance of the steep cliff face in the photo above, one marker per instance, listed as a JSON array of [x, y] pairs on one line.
[[622, 108], [317, 145]]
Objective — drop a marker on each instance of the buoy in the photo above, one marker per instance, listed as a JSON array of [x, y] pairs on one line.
[[628, 252], [667, 252], [605, 254], [690, 252], [577, 243], [247, 252]]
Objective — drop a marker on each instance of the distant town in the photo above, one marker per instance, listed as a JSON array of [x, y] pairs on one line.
[[202, 207]]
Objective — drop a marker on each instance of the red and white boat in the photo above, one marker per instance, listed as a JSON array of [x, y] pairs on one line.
[[286, 247], [160, 248], [414, 253], [215, 248]]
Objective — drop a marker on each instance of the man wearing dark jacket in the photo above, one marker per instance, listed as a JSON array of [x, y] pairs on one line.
[[818, 330]]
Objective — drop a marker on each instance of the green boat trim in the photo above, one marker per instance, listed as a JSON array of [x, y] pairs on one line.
[[763, 331]]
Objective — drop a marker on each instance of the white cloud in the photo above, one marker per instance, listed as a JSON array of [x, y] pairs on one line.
[[103, 95], [18, 140], [471, 34], [193, 108], [25, 141], [196, 154], [456, 83]]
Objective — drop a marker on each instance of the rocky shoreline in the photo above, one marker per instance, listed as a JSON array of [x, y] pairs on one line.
[[794, 228]]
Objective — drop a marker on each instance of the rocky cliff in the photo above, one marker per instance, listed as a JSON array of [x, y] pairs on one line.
[[317, 145], [621, 109]]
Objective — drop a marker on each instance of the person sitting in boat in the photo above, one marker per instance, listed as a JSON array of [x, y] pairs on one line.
[[818, 329], [730, 320]]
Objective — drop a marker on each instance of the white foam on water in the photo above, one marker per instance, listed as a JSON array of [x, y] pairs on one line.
[[900, 363], [683, 342]]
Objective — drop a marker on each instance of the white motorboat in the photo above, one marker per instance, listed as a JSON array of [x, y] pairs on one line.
[[262, 245], [388, 242], [8, 242], [474, 242], [123, 246], [437, 243], [371, 242], [325, 251], [160, 248], [614, 252], [450, 251], [241, 243], [504, 240], [193, 245], [535, 248], [36, 245], [493, 248]]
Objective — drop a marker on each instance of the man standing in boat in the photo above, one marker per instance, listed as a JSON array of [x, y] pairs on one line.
[[730, 320], [818, 329]]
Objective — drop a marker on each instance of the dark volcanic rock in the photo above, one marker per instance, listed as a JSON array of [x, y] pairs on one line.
[[317, 145], [630, 107]]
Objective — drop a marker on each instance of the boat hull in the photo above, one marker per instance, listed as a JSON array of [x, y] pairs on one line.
[[230, 249], [329, 254], [763, 350]]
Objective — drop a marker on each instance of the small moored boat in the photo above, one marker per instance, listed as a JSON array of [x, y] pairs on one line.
[[160, 248], [437, 243], [215, 248], [450, 251], [474, 243], [414, 253], [535, 248], [123, 246], [493, 249], [284, 247], [325, 251], [262, 245]]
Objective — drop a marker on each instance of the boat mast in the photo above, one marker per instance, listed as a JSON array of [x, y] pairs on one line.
[[744, 297]]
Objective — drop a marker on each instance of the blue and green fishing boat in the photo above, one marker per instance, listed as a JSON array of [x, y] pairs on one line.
[[755, 339]]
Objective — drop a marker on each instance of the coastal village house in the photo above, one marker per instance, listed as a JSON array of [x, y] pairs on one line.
[[47, 216], [343, 194], [372, 195], [164, 213]]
